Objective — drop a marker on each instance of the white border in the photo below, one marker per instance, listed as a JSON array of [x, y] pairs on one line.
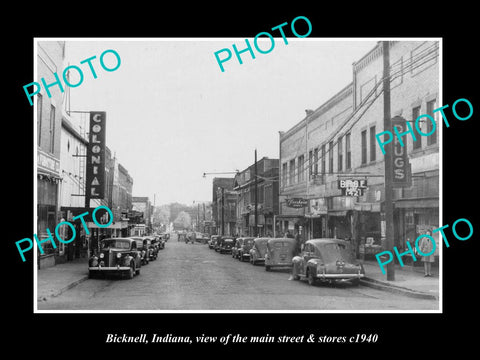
[[440, 103]]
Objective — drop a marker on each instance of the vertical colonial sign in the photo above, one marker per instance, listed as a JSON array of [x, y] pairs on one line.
[[401, 166], [95, 177]]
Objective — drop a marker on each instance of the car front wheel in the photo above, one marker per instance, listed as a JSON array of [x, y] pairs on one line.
[[131, 271]]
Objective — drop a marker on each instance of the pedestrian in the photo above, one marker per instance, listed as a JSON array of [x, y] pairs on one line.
[[426, 247], [298, 247]]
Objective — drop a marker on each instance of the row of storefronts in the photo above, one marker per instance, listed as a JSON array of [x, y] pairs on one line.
[[331, 168], [76, 171]]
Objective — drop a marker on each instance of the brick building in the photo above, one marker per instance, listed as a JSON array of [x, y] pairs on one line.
[[337, 141], [217, 185], [50, 56], [267, 198]]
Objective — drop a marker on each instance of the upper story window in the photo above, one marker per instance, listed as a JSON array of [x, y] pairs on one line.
[[364, 146]]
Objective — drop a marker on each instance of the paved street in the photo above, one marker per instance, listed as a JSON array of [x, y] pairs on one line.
[[193, 277]]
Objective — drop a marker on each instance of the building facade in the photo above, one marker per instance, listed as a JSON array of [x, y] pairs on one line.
[[142, 205], [217, 185], [337, 142], [267, 198], [50, 57]]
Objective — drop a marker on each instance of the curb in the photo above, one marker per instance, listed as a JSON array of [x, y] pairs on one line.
[[380, 285], [56, 293]]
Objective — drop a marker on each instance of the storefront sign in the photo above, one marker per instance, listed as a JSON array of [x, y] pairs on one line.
[[102, 213], [352, 187], [95, 177], [296, 203], [401, 166], [47, 162]]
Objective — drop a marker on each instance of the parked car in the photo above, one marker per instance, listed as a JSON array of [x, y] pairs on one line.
[[236, 247], [141, 248], [280, 252], [152, 248], [216, 246], [226, 244], [327, 260], [160, 241], [258, 250], [116, 256], [213, 241], [244, 250], [147, 240]]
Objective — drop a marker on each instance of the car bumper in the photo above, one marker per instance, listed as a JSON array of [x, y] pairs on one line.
[[108, 268], [340, 276], [269, 263]]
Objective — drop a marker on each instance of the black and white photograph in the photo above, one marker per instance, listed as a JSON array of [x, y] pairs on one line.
[[213, 176], [238, 182]]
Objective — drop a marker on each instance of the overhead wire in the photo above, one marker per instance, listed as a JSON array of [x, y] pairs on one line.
[[428, 54]]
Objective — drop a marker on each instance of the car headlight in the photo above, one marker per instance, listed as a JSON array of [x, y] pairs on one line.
[[119, 255], [102, 255], [320, 269]]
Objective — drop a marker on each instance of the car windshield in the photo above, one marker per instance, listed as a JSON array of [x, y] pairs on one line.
[[117, 244], [335, 251]]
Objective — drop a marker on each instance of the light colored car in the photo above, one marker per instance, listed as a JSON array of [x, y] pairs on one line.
[[280, 252], [327, 260], [258, 250]]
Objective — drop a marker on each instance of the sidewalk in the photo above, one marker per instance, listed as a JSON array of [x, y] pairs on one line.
[[55, 280], [409, 280]]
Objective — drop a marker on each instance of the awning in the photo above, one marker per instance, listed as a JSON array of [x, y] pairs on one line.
[[416, 203], [288, 217], [337, 213], [116, 225], [375, 207]]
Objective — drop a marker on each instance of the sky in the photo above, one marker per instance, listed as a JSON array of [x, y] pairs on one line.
[[173, 115]]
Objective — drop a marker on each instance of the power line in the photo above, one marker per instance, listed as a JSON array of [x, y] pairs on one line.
[[428, 54]]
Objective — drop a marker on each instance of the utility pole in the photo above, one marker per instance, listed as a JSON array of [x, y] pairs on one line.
[[255, 231], [223, 211], [387, 126]]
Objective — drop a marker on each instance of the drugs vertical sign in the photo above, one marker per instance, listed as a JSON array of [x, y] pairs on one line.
[[95, 176], [401, 166]]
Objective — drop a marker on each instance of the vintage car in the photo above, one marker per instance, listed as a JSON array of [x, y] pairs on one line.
[[147, 240], [152, 248], [213, 241], [236, 246], [226, 244], [242, 248], [327, 260], [141, 248], [216, 246], [160, 241], [280, 252], [116, 256], [258, 250], [244, 251]]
